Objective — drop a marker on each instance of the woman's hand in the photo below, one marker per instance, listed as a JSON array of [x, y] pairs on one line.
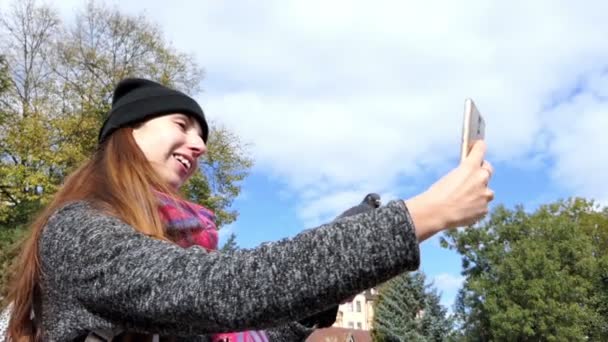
[[459, 198]]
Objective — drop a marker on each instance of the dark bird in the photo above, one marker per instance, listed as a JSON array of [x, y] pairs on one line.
[[371, 201]]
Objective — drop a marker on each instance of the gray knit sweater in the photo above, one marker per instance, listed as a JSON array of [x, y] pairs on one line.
[[99, 273]]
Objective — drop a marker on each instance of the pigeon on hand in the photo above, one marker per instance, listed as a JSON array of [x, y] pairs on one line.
[[371, 201], [328, 318]]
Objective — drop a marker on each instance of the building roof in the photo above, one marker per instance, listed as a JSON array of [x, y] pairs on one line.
[[340, 335], [370, 294]]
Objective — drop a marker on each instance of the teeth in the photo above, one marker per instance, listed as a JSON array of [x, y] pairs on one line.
[[183, 160]]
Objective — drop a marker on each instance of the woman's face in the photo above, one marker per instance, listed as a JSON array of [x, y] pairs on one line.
[[172, 144]]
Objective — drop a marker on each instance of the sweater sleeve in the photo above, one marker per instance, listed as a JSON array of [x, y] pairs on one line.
[[154, 286]]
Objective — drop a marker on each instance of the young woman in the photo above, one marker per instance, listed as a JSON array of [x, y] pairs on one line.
[[118, 254]]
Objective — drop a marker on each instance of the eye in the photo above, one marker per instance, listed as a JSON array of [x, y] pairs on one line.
[[182, 124]]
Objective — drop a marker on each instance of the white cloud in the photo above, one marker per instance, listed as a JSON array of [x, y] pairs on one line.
[[225, 231], [368, 93], [448, 285], [324, 206], [579, 140], [345, 96], [446, 282]]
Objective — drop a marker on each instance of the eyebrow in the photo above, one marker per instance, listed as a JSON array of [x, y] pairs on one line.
[[191, 122]]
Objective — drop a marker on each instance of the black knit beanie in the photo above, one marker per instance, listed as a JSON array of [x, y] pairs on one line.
[[136, 100]]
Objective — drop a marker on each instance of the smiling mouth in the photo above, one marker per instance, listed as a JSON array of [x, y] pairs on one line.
[[183, 161]]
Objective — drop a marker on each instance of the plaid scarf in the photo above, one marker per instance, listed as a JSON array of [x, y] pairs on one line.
[[189, 224]]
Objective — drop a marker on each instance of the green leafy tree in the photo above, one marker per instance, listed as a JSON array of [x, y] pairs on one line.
[[56, 83], [224, 166], [230, 245], [535, 276], [60, 88]]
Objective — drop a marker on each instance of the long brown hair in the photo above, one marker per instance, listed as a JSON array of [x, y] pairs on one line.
[[118, 180]]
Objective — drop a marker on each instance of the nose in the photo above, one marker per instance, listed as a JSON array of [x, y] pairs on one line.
[[197, 145]]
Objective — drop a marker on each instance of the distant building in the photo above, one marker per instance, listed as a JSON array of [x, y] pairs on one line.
[[353, 321], [359, 313]]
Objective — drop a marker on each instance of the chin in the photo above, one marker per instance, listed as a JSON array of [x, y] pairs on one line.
[[173, 184]]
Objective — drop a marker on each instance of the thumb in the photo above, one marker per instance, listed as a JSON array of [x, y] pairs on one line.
[[477, 154]]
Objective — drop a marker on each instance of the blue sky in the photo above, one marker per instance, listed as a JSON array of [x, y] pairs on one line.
[[341, 98]]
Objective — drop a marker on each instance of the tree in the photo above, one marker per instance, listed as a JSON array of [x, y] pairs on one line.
[[56, 83], [230, 245], [24, 139], [409, 310], [61, 81], [224, 166], [535, 277], [9, 236]]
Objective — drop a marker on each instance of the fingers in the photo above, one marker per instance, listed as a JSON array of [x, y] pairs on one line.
[[486, 170], [490, 171], [476, 156], [489, 195], [488, 167], [482, 208]]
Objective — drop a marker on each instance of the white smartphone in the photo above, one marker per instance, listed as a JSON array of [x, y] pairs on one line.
[[473, 127]]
